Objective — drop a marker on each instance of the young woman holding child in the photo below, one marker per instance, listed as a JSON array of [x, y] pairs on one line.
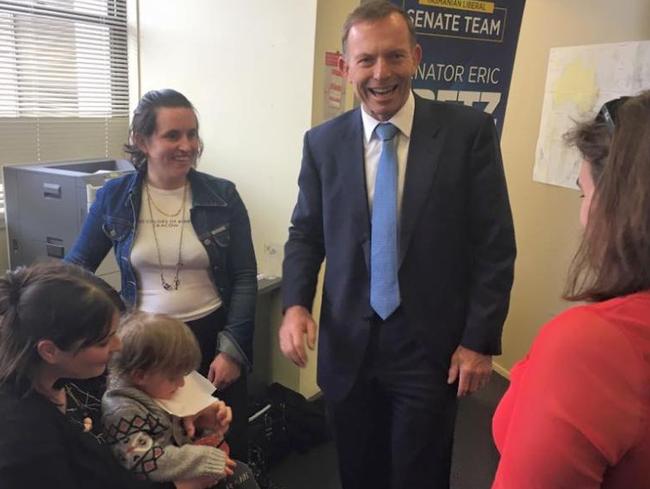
[[58, 323]]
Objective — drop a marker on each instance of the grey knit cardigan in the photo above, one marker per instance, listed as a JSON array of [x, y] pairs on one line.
[[152, 443]]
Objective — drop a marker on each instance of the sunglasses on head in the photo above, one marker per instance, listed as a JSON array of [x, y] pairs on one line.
[[607, 113]]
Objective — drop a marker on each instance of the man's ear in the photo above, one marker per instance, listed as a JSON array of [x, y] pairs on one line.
[[417, 55], [343, 66], [48, 351]]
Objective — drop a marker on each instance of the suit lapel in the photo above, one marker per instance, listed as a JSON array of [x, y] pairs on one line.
[[422, 163], [353, 167]]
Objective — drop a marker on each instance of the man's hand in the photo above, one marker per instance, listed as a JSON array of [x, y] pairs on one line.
[[296, 323], [473, 370], [224, 370], [216, 417]]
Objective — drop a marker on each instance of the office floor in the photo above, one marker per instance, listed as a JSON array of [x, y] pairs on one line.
[[475, 457]]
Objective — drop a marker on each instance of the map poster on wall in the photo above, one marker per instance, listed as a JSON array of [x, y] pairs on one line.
[[579, 80], [468, 50]]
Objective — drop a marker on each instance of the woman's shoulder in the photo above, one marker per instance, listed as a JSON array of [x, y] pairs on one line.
[[17, 408], [611, 335], [208, 178], [29, 426], [213, 182], [622, 319], [578, 325], [207, 187], [117, 189], [125, 180]]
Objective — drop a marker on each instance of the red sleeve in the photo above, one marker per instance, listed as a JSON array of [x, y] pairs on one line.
[[575, 408]]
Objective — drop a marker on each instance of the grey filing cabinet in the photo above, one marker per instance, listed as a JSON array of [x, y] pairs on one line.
[[46, 205]]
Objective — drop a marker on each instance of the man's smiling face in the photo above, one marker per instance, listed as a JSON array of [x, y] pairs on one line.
[[379, 61]]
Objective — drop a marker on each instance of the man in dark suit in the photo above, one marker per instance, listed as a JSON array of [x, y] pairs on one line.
[[416, 286]]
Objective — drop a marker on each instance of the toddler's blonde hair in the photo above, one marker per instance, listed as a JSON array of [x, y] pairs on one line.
[[155, 343]]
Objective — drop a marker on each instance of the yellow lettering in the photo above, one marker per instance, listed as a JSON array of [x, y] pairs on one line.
[[470, 5]]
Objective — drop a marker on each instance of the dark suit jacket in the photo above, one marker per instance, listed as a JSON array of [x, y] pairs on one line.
[[457, 245]]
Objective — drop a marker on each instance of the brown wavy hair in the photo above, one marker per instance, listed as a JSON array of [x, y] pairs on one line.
[[155, 343], [143, 123], [613, 258]]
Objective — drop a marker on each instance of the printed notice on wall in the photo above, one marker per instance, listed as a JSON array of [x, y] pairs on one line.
[[578, 81], [334, 87], [468, 50]]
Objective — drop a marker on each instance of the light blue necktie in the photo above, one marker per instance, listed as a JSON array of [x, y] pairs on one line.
[[384, 287]]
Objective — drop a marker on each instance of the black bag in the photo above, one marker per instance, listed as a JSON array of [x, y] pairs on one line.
[[281, 422], [268, 433], [242, 478], [306, 422]]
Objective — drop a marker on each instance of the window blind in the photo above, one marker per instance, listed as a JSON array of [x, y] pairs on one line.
[[63, 80]]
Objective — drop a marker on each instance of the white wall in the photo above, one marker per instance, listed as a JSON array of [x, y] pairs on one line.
[[247, 67]]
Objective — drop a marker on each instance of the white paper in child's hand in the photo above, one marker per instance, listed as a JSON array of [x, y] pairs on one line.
[[194, 396]]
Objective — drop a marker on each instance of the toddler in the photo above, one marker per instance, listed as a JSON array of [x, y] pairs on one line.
[[157, 353]]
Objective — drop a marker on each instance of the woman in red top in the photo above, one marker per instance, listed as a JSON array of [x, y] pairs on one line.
[[577, 413]]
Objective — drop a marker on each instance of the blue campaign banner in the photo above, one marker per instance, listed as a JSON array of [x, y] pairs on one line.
[[468, 50]]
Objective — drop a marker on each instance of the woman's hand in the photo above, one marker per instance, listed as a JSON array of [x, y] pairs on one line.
[[216, 418], [223, 371]]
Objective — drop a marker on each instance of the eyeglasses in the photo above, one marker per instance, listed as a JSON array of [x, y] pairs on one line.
[[607, 113]]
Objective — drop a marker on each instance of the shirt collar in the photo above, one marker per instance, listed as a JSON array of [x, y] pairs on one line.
[[403, 119]]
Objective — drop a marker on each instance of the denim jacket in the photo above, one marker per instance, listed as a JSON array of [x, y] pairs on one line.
[[221, 223]]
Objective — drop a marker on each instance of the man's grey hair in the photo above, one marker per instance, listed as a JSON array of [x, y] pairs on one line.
[[372, 11]]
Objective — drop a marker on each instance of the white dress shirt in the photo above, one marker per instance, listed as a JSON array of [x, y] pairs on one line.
[[403, 120]]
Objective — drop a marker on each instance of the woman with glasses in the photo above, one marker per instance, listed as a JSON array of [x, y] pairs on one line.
[[577, 413]]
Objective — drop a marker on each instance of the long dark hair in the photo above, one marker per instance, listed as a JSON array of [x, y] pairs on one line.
[[143, 123], [57, 301], [614, 256]]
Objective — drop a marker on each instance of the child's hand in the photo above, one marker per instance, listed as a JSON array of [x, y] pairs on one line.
[[216, 417], [230, 467], [223, 416]]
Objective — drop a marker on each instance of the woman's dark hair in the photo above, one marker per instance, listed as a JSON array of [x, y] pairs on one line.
[[143, 124], [57, 301], [614, 256]]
